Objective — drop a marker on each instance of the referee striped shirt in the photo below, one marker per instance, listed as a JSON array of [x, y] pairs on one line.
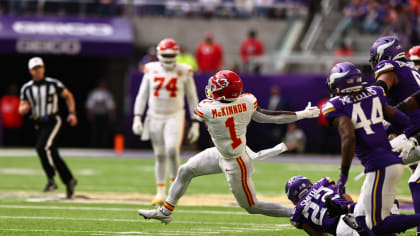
[[42, 96]]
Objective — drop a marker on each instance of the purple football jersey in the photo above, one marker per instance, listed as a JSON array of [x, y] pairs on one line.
[[366, 112], [408, 83], [312, 211]]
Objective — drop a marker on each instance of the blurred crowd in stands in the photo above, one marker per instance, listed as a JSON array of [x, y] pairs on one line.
[[209, 55], [181, 8], [398, 17]]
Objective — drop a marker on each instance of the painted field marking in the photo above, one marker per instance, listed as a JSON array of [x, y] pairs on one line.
[[138, 221], [117, 209], [164, 232], [31, 171]]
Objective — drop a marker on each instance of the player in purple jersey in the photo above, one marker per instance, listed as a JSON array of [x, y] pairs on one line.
[[358, 113], [400, 80], [310, 213]]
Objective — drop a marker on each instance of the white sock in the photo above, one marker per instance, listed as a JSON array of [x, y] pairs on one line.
[[161, 190]]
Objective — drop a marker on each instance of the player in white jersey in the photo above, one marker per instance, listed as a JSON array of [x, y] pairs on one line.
[[164, 86], [227, 114]]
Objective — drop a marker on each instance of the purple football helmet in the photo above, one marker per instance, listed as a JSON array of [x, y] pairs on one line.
[[297, 187], [344, 78], [386, 48]]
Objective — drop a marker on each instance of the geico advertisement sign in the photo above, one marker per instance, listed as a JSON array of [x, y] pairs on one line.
[[71, 47], [60, 28]]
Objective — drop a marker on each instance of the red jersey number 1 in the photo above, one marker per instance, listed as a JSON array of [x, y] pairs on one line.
[[230, 124]]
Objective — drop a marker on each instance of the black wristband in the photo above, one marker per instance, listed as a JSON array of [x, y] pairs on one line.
[[345, 170], [382, 84], [72, 112]]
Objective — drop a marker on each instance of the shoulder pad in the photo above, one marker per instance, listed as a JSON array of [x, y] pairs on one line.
[[203, 107], [185, 67], [328, 107], [385, 66], [250, 98]]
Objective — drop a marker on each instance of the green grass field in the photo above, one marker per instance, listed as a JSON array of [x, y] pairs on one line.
[[110, 191]]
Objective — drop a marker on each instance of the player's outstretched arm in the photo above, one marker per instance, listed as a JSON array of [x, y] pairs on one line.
[[410, 104], [401, 144], [345, 129], [284, 117], [396, 117]]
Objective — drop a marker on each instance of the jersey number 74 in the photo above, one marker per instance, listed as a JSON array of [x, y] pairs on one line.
[[170, 87]]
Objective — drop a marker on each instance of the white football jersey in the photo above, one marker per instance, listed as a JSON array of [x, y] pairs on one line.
[[227, 123], [164, 90]]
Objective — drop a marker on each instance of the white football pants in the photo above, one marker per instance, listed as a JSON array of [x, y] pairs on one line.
[[166, 136], [238, 173]]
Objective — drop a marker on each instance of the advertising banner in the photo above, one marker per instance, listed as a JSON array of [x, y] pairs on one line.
[[65, 36]]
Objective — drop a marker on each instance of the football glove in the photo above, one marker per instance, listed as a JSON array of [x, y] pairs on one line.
[[309, 112], [137, 126], [403, 145], [194, 132], [334, 209]]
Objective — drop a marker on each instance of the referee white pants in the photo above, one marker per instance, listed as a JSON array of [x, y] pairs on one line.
[[238, 172]]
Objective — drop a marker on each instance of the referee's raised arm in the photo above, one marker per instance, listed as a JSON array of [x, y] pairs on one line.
[[40, 98]]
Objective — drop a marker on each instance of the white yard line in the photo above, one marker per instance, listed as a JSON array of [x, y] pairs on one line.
[[116, 209], [110, 232], [137, 220]]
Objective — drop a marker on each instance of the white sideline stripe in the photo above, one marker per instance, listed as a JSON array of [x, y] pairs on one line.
[[131, 220], [118, 209], [111, 232]]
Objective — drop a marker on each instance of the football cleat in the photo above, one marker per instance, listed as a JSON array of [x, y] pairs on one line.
[[70, 188], [155, 214], [350, 220], [51, 186]]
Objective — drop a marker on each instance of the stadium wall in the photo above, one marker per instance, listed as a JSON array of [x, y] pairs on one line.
[[190, 32]]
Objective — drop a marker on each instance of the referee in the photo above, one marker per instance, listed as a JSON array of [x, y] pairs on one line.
[[40, 96]]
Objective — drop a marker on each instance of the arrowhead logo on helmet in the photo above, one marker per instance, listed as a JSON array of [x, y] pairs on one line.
[[224, 85]]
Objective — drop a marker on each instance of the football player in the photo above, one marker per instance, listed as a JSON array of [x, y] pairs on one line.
[[310, 213], [164, 86], [227, 113], [414, 56], [358, 113], [399, 79]]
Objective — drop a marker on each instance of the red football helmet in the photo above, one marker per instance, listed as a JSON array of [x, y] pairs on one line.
[[224, 85], [414, 53], [167, 51]]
